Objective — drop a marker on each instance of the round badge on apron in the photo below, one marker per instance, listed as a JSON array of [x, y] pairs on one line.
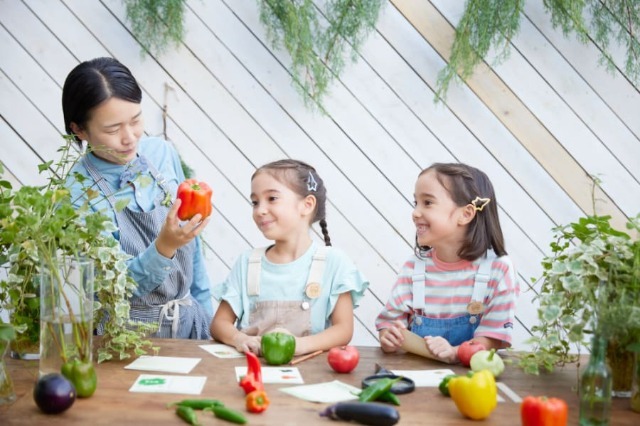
[[475, 308], [312, 290]]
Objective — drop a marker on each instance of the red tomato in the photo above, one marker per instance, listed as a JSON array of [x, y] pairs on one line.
[[466, 351], [343, 359]]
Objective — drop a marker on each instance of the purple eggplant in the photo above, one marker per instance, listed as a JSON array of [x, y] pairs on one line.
[[366, 413]]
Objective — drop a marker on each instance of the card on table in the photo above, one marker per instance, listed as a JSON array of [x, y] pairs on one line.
[[424, 378], [328, 392], [278, 375], [164, 364], [222, 351], [153, 383]]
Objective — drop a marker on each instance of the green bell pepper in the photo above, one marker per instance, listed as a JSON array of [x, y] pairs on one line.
[[82, 375], [278, 348]]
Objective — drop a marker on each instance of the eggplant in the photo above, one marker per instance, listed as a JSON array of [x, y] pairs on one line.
[[366, 413]]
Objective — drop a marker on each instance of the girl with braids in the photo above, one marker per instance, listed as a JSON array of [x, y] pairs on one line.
[[294, 284], [460, 284]]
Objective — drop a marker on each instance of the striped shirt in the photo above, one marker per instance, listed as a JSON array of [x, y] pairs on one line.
[[448, 291]]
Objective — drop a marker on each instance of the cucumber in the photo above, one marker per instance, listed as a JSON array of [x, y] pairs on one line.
[[366, 413]]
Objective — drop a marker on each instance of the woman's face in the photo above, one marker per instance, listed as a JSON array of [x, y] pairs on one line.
[[113, 130]]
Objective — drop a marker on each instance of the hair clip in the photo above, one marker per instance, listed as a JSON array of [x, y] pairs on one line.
[[479, 203], [312, 185]]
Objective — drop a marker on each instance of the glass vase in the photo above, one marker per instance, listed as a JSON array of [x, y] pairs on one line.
[[66, 312], [622, 364], [7, 395], [595, 387], [635, 388]]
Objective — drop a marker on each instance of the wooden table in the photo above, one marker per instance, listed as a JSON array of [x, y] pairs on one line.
[[113, 404]]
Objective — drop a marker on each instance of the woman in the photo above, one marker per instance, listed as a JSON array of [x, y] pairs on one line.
[[137, 179]]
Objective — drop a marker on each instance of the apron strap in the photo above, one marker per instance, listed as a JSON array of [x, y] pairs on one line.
[[175, 318], [418, 277], [317, 265], [253, 271]]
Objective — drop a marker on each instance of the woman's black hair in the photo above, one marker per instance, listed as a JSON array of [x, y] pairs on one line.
[[304, 180], [92, 82], [464, 183]]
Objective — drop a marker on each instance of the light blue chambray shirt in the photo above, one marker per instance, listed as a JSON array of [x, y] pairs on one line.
[[149, 269]]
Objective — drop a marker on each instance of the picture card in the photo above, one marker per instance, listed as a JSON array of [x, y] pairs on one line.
[[327, 393], [164, 364], [222, 351], [288, 375], [152, 383], [424, 378]]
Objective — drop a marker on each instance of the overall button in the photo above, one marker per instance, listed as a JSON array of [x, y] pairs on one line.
[[418, 321], [473, 320], [305, 305]]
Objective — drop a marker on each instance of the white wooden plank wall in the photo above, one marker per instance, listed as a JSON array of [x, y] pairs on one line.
[[231, 108]]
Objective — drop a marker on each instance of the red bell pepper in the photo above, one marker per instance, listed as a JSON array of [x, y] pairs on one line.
[[196, 198], [257, 401], [253, 379], [543, 411]]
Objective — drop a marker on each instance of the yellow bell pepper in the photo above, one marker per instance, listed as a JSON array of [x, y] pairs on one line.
[[476, 396]]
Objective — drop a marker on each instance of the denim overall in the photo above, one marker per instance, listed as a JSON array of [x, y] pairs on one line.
[[455, 330], [294, 315]]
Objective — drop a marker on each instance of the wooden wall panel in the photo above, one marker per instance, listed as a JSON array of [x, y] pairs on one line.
[[538, 124]]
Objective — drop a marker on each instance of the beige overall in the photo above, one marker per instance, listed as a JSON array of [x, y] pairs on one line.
[[292, 315]]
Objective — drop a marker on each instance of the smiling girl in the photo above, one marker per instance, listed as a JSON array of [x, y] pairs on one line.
[[294, 284], [460, 284], [137, 179]]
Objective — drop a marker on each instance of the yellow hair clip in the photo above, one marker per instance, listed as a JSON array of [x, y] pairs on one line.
[[479, 203]]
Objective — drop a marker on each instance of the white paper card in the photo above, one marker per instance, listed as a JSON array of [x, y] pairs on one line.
[[222, 351], [288, 375], [424, 378], [327, 393], [164, 364], [152, 383]]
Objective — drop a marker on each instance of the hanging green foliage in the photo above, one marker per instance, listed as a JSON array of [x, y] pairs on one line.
[[157, 24], [318, 38], [491, 24]]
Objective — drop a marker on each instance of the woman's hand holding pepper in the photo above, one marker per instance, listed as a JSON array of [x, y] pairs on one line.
[[172, 236]]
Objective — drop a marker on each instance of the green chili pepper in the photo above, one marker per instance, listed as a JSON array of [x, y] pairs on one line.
[[389, 397], [187, 414], [196, 404], [228, 414], [374, 391]]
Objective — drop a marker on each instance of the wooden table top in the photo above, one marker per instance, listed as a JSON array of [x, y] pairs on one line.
[[113, 404]]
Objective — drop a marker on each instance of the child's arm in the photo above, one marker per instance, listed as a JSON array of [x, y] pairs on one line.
[[338, 334], [224, 330]]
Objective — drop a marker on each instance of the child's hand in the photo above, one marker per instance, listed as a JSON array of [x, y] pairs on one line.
[[441, 348], [244, 343], [391, 339]]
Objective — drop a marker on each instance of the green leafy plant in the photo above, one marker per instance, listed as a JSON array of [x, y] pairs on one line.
[[318, 38], [157, 24], [491, 24], [591, 285], [39, 223]]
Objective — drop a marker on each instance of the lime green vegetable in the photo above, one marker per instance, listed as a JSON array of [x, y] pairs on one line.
[[278, 348], [82, 375], [487, 360]]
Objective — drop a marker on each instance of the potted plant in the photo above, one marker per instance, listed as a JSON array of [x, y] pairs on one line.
[[41, 223], [591, 285], [7, 334]]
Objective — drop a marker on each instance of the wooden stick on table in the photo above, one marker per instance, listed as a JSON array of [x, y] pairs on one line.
[[305, 357]]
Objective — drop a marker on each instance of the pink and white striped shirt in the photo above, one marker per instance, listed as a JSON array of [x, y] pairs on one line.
[[448, 291]]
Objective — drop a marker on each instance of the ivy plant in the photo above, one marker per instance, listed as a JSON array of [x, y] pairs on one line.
[[487, 24], [40, 222], [591, 284], [158, 24]]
